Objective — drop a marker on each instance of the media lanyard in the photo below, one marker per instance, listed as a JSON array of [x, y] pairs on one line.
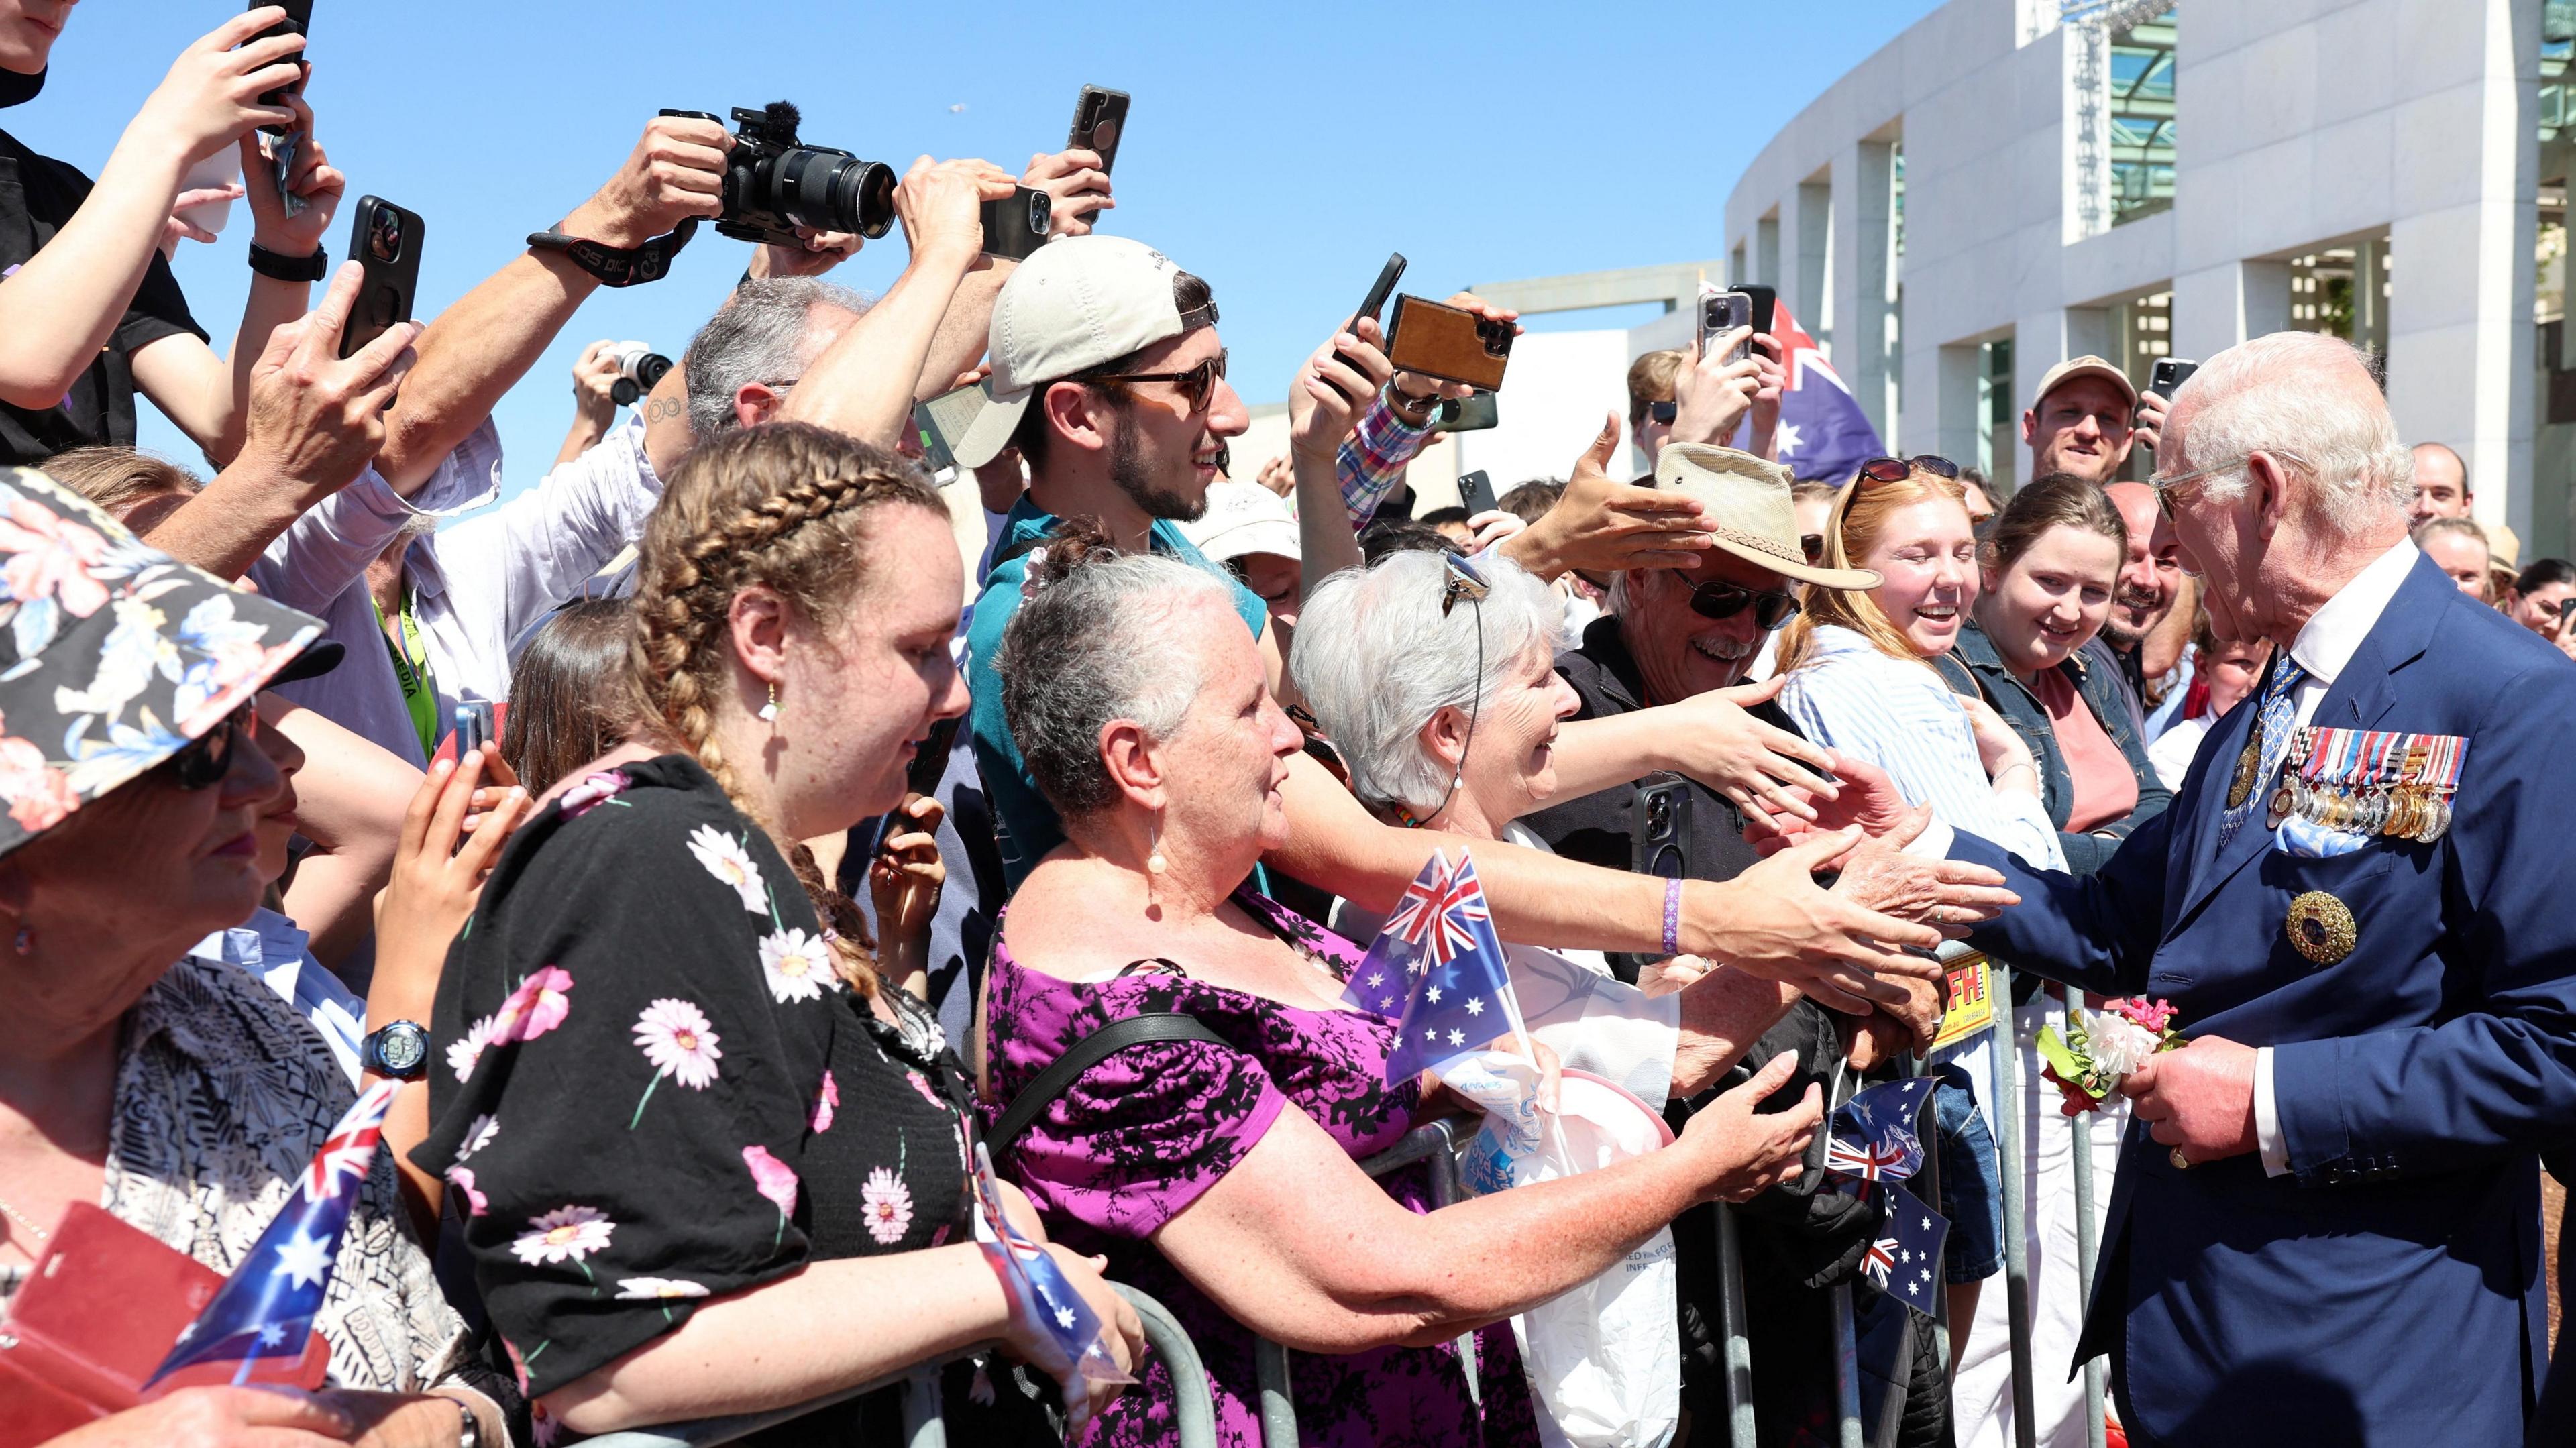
[[411, 668]]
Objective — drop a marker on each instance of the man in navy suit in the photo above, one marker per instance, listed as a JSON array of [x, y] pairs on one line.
[[2326, 1223]]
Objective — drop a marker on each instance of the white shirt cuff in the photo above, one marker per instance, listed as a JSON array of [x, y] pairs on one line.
[[2267, 1118], [1935, 841]]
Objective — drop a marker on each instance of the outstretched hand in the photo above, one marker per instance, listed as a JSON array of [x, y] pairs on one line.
[[1602, 525], [1780, 925]]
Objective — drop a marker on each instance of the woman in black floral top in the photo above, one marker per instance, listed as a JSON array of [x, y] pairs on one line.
[[706, 1163]]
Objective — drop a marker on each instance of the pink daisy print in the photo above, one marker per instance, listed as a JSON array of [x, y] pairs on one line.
[[885, 1204], [675, 1037], [566, 1234], [826, 1097], [462, 1178], [478, 1135], [536, 1007], [462, 1054], [664, 1290], [725, 858], [797, 963], [593, 791], [775, 1179]]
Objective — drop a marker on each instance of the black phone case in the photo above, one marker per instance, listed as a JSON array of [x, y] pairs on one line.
[[385, 294], [298, 21], [1476, 492], [1660, 853], [1092, 110], [1011, 223], [1766, 305]]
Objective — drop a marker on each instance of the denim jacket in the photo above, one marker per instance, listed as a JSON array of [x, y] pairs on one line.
[[1976, 667]]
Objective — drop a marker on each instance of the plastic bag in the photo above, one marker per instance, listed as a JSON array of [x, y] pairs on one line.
[[1603, 1358]]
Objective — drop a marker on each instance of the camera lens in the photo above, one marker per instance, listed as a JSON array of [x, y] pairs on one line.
[[1041, 212], [384, 234], [835, 191], [1659, 815]]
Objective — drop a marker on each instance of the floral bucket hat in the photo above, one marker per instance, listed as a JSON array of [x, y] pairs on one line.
[[113, 654]]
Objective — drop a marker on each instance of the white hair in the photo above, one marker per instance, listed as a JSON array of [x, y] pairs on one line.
[[1376, 658], [2279, 394]]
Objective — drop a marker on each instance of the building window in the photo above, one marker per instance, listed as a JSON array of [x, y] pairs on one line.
[[2142, 119]]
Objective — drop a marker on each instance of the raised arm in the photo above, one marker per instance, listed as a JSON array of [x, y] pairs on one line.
[[349, 799], [480, 347], [59, 309]]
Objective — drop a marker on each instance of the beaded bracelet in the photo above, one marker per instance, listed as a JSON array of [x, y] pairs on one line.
[[1672, 917]]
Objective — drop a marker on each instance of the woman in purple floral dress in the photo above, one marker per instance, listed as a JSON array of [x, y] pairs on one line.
[[1221, 1178], [705, 1162]]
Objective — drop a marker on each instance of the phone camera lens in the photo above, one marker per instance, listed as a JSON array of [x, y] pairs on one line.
[[1659, 815]]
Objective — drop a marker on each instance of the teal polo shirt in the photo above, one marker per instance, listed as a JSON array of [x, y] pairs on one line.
[[1024, 823]]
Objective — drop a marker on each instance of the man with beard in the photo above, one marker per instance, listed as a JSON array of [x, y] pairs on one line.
[[2150, 578]]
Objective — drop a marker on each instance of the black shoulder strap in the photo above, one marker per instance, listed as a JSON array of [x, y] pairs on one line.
[[1082, 1055]]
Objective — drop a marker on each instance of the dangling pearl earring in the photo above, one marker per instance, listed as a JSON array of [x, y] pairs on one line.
[[1154, 862], [25, 944], [769, 711]]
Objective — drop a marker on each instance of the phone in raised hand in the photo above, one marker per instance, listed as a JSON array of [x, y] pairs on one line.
[[1721, 313], [385, 239], [1099, 119]]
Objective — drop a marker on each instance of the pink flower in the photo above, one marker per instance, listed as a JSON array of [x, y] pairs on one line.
[[564, 1234], [674, 1035], [826, 1097], [923, 1086], [51, 557], [885, 1204], [38, 794], [462, 1178], [593, 791], [536, 1007], [774, 1178], [463, 1053], [2157, 1017]]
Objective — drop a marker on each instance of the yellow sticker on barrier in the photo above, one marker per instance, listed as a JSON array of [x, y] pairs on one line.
[[1972, 1000]]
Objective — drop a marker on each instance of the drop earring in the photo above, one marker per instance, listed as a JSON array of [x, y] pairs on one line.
[[769, 711], [25, 943], [1155, 864]]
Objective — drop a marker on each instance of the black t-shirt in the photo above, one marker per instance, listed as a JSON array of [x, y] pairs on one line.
[[37, 197]]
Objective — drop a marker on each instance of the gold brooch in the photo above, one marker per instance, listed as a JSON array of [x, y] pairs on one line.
[[2320, 927]]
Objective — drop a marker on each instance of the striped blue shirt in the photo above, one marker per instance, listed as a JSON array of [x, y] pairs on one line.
[[1898, 715]]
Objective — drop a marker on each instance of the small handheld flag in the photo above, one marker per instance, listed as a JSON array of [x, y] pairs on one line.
[[1439, 964], [1041, 1294], [1872, 1137], [1905, 1261], [265, 1310]]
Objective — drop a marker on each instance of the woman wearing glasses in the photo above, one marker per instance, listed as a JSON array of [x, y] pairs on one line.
[[184, 1098]]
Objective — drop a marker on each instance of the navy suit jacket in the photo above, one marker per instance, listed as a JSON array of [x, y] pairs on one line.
[[2389, 1289]]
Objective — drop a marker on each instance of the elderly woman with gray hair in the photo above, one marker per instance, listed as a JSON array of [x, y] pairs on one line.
[[1218, 1170]]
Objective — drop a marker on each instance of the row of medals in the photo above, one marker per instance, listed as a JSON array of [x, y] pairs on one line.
[[2403, 810]]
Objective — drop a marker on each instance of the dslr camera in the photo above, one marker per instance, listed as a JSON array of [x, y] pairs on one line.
[[639, 370], [775, 183]]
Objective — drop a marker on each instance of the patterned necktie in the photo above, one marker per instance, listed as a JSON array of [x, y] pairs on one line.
[[2262, 757]]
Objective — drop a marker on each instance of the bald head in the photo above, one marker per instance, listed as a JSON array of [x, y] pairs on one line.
[[2441, 483]]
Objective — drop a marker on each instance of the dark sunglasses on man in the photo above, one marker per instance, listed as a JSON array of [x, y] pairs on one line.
[[1725, 600], [1197, 386], [1663, 412], [209, 756]]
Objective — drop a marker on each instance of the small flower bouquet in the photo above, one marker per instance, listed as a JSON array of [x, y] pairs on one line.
[[2101, 1047]]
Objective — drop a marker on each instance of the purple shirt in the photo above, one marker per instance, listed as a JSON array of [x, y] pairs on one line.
[[1142, 1135]]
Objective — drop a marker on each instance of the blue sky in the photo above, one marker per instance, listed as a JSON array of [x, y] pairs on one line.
[[1279, 151]]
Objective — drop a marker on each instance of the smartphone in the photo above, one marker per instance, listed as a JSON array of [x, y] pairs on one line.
[[1099, 119], [1015, 226], [473, 726], [386, 241], [945, 418], [1659, 827], [1374, 303], [1723, 312], [1454, 345], [1766, 303], [1476, 492], [2169, 375], [1467, 414], [298, 21]]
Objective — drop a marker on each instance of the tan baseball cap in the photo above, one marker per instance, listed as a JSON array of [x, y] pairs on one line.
[[2085, 366], [1079, 302], [1244, 518], [2504, 552], [1750, 510]]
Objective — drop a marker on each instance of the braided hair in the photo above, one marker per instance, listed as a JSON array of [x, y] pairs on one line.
[[785, 506]]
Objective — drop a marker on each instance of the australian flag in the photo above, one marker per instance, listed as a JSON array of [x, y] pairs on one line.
[[1823, 432], [1438, 965], [266, 1308], [1872, 1136], [1042, 1294], [1905, 1261]]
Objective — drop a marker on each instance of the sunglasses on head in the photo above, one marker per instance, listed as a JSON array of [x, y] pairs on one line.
[[1197, 386], [1897, 470], [209, 756], [1726, 600]]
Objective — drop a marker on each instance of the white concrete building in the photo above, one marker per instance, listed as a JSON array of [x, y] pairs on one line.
[[2011, 182]]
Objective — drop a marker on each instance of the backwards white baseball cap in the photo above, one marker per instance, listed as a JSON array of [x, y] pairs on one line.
[[1081, 301]]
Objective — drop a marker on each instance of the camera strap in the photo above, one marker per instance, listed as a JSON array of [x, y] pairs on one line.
[[631, 266]]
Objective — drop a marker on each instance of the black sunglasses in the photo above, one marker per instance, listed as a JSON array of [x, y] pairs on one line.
[[209, 756], [1726, 600], [1663, 412], [1897, 470], [1196, 386]]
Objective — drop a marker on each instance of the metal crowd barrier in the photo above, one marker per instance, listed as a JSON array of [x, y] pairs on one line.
[[1436, 1144], [1194, 1412]]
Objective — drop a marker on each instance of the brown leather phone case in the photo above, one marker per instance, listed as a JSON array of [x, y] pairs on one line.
[[1448, 343]]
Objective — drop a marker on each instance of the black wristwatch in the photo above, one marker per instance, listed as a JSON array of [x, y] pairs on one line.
[[399, 1049], [278, 266]]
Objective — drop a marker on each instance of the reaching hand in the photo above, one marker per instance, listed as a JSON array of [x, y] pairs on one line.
[[1743, 1152], [815, 253], [1278, 476], [942, 203], [1711, 395], [1999, 748], [676, 171], [315, 180], [1601, 525], [179, 228], [1948, 894], [1758, 766], [1333, 388], [315, 419], [211, 94], [1077, 184], [1487, 529], [1779, 925], [1868, 798]]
